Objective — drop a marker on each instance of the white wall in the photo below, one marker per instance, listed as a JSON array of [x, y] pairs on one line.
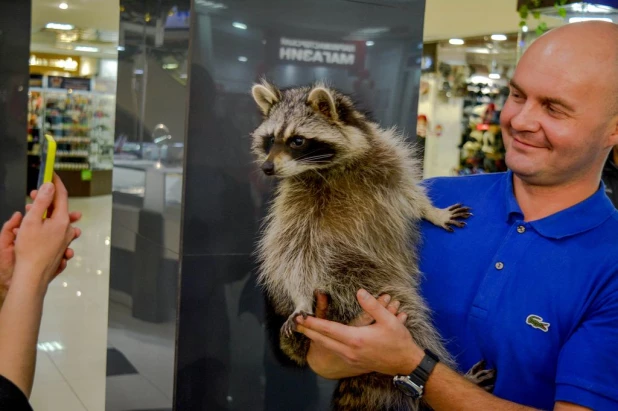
[[441, 152]]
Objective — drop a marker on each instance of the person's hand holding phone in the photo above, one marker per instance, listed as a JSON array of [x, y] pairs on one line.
[[42, 243]]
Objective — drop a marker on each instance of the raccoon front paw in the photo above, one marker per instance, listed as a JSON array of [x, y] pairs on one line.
[[453, 214], [482, 377], [290, 325]]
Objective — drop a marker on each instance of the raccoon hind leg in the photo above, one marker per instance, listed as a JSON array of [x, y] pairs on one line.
[[482, 377], [370, 392]]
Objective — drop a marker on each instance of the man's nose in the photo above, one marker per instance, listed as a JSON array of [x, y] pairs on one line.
[[526, 119], [268, 168]]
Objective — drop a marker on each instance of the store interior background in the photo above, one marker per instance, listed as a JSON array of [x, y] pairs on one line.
[[101, 329]]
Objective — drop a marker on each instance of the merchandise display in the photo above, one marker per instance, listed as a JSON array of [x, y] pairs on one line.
[[482, 150], [82, 123]]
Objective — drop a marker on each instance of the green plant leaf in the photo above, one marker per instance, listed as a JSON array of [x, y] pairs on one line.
[[536, 3], [522, 23], [562, 12], [562, 2], [536, 14], [524, 11]]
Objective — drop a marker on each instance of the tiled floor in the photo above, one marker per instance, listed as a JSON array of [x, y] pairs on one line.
[[71, 363]]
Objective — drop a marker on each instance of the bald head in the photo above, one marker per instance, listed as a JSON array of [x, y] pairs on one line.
[[587, 48]]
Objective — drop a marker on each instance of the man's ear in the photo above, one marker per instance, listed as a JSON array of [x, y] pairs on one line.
[[266, 96], [321, 100]]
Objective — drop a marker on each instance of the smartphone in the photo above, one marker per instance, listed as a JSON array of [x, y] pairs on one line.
[[48, 159]]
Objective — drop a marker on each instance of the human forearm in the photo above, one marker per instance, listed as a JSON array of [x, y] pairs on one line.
[[447, 390], [20, 319]]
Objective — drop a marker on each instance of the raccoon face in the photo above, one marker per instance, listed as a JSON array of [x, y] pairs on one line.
[[306, 128]]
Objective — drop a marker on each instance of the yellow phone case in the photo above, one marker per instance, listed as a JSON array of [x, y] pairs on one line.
[[48, 159]]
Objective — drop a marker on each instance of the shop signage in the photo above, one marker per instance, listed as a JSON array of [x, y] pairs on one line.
[[305, 51], [72, 83], [36, 80], [53, 62]]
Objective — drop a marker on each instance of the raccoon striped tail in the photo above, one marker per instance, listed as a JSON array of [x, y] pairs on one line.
[[371, 392]]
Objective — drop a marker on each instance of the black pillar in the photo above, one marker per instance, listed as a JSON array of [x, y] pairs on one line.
[[15, 19]]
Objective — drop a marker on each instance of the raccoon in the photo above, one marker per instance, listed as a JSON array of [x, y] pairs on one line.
[[345, 212]]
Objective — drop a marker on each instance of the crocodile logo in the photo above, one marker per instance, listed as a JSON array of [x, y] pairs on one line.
[[536, 321]]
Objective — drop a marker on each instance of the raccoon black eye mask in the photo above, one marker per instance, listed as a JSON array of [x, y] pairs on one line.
[[303, 149]]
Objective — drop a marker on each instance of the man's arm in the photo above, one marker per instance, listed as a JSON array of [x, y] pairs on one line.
[[387, 347]]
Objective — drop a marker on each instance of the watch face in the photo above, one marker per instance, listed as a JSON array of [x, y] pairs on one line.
[[408, 387]]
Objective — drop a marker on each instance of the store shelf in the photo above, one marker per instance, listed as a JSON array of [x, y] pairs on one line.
[[82, 123]]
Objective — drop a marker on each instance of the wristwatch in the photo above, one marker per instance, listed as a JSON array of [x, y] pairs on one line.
[[413, 385]]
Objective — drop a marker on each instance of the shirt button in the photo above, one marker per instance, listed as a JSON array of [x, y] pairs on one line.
[[499, 266], [521, 229]]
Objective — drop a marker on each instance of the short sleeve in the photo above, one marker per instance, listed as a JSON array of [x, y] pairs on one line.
[[11, 397], [587, 372]]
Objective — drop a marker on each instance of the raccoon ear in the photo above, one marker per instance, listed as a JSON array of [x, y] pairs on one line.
[[322, 100], [265, 97]]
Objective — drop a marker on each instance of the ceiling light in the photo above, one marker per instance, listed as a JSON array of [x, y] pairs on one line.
[[370, 43], [63, 6], [494, 76], [87, 49], [456, 42], [59, 26], [242, 59], [238, 25], [580, 19], [524, 29], [170, 66], [120, 48], [498, 37]]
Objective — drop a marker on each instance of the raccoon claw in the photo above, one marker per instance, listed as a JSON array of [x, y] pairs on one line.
[[453, 215], [478, 375], [290, 325]]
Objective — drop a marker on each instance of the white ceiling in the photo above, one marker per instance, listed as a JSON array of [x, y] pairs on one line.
[[443, 18]]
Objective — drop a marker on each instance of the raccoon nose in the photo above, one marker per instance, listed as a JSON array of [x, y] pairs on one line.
[[268, 168]]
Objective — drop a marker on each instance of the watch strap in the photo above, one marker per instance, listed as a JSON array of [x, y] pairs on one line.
[[421, 373]]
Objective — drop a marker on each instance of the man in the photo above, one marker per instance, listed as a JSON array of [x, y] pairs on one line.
[[610, 176], [531, 284]]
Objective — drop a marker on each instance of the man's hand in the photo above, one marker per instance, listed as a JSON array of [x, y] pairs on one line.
[[385, 346], [325, 362]]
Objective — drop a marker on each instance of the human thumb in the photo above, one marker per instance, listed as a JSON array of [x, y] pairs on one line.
[[43, 201]]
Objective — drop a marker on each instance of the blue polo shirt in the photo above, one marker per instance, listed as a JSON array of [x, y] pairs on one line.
[[537, 300]]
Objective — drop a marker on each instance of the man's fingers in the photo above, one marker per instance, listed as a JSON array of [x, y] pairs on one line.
[[328, 343], [33, 194], [69, 253], [336, 331], [393, 307], [44, 199], [402, 317], [78, 232], [372, 307], [321, 305], [366, 319]]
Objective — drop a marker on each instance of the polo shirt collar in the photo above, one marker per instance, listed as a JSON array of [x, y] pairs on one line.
[[576, 219]]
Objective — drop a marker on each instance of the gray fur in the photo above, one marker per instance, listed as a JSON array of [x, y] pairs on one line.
[[342, 224]]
